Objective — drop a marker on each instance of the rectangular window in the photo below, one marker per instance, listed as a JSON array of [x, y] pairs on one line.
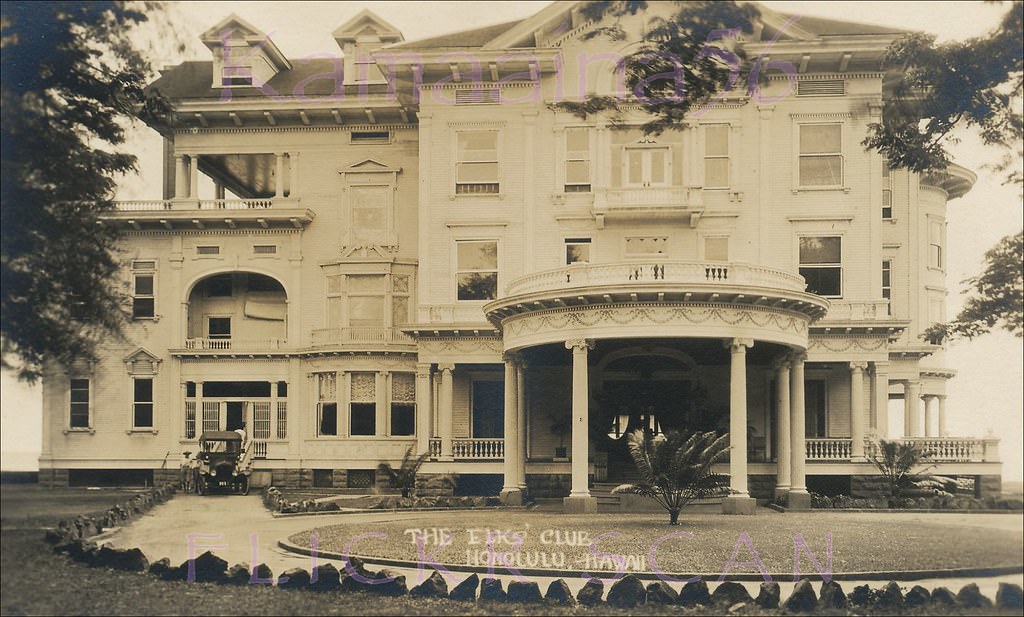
[[190, 419], [366, 300], [886, 190], [210, 249], [143, 296], [369, 207], [821, 155], [887, 282], [261, 420], [716, 156], [403, 404], [716, 248], [237, 66], [264, 249], [477, 269], [646, 167], [79, 417], [399, 300], [935, 257], [282, 419], [370, 137], [577, 251], [327, 404], [363, 406], [143, 408], [218, 327], [821, 265], [476, 162], [577, 160]]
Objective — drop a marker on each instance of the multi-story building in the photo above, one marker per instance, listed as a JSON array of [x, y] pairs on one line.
[[411, 244]]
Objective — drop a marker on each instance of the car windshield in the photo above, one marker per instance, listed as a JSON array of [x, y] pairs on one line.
[[221, 446]]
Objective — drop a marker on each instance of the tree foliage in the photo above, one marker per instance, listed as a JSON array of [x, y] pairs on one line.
[[404, 478], [676, 469], [71, 74], [997, 299], [903, 465]]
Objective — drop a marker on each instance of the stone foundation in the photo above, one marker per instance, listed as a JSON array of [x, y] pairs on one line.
[[53, 478], [761, 487], [548, 486], [988, 486], [866, 487], [433, 485], [166, 476]]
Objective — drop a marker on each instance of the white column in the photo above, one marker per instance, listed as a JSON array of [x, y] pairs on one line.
[[857, 410], [912, 409], [942, 416], [579, 499], [782, 457], [929, 415], [521, 411], [798, 499], [881, 400], [444, 410], [510, 493], [218, 190], [279, 178], [180, 177], [193, 176], [739, 502], [423, 408], [383, 395]]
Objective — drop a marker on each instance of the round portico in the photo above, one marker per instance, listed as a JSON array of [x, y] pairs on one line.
[[581, 305]]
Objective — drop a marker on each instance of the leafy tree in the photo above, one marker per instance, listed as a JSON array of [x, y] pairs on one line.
[[71, 74], [998, 299], [902, 465], [404, 477], [676, 469]]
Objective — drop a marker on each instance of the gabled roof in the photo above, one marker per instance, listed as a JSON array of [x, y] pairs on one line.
[[214, 37], [477, 37], [367, 20]]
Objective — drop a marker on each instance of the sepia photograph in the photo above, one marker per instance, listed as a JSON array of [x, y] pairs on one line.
[[609, 307]]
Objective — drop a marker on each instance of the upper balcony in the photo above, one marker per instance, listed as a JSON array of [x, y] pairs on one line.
[[685, 202], [362, 338]]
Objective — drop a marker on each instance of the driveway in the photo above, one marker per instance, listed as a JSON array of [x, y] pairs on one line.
[[239, 529]]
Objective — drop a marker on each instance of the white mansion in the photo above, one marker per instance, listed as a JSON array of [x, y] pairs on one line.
[[407, 244]]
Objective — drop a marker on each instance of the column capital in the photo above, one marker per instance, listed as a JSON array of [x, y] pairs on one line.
[[880, 365], [446, 368], [513, 357], [798, 356], [579, 343], [423, 368], [858, 365], [738, 345], [780, 362]]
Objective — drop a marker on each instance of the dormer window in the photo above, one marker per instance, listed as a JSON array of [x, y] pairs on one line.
[[237, 66]]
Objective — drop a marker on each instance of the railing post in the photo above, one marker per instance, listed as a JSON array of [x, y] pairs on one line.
[[990, 449]]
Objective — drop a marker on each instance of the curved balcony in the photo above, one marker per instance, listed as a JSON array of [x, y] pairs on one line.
[[956, 180]]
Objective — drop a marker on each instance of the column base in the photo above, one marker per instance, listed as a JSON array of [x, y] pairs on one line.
[[798, 501], [781, 491], [736, 504], [579, 504], [511, 497]]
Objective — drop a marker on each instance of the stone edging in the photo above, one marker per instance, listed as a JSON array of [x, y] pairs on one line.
[[393, 511], [898, 575], [784, 509]]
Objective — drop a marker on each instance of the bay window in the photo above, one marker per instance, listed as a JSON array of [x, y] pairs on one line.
[[363, 404]]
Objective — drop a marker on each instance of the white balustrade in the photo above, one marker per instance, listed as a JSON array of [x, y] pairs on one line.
[[435, 448], [153, 205], [365, 334], [828, 449], [235, 204], [656, 271], [856, 310], [143, 205], [647, 197], [259, 449], [232, 344], [950, 449], [478, 449]]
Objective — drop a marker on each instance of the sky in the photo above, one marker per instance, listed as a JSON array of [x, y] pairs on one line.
[[985, 397]]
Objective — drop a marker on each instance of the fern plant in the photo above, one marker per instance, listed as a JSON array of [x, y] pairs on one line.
[[903, 465], [404, 478], [676, 469]]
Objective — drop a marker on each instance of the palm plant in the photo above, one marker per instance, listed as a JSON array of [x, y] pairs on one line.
[[902, 465], [676, 469], [404, 478]]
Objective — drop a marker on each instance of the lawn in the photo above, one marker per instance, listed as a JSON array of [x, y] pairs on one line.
[[860, 542], [25, 505]]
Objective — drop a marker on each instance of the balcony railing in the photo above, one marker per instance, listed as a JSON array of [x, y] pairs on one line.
[[233, 344], [820, 449], [647, 198], [852, 310], [942, 449], [154, 205], [656, 271], [366, 334], [473, 449]]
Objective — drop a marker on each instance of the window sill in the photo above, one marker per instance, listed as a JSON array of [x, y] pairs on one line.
[[89, 431], [154, 318], [890, 220], [814, 189], [455, 196], [141, 431]]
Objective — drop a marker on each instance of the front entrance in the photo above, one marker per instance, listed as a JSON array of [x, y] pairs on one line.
[[235, 415], [488, 409]]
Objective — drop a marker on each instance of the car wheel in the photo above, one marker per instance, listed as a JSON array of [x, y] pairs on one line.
[[243, 486]]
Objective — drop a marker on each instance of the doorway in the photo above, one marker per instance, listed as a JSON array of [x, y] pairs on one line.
[[235, 415]]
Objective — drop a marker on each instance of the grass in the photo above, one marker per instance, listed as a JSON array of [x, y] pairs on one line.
[[859, 542], [26, 505]]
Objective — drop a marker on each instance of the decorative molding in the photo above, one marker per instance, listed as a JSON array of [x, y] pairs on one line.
[[477, 124], [298, 129], [821, 115], [212, 232], [579, 343], [816, 76], [841, 344], [820, 218], [858, 365], [462, 345]]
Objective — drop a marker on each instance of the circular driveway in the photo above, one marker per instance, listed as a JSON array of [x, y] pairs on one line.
[[240, 530]]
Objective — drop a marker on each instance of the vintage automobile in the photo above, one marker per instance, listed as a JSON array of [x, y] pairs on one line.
[[222, 463]]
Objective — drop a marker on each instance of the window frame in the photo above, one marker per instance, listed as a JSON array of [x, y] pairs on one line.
[[322, 402], [887, 209], [568, 158], [578, 241], [840, 153], [136, 403], [349, 295], [392, 403], [456, 162], [936, 246], [727, 156], [352, 402], [234, 64], [136, 296], [210, 335], [71, 426], [887, 289], [647, 166], [831, 265], [458, 271]]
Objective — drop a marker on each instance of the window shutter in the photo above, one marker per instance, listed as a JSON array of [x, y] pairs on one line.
[[821, 87], [478, 96]]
